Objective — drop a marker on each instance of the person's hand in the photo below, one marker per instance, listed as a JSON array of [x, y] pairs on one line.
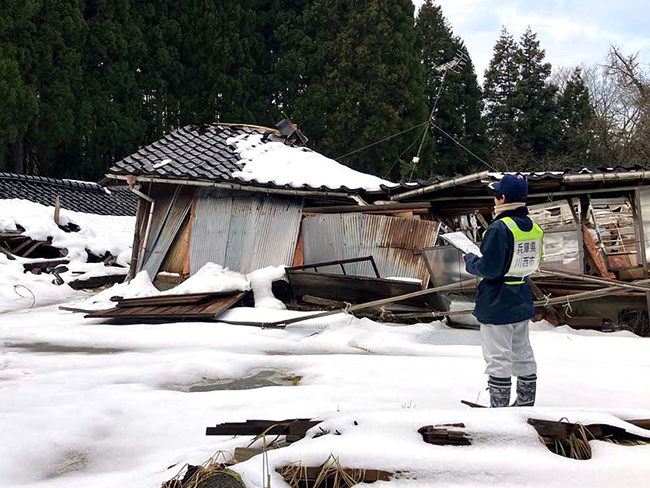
[[467, 256]]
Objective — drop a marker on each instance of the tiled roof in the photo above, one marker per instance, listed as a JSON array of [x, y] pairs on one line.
[[78, 196], [202, 153], [193, 152]]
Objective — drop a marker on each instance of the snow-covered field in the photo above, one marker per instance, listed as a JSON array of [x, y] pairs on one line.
[[84, 403]]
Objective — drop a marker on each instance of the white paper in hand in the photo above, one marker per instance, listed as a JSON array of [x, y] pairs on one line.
[[461, 241]]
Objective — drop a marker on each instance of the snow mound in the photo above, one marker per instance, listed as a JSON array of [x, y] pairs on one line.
[[211, 278]]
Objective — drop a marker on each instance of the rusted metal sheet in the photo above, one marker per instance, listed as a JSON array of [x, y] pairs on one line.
[[244, 232], [189, 309], [394, 242], [353, 289]]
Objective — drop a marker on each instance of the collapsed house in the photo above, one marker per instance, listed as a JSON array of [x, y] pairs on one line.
[[247, 197], [596, 222]]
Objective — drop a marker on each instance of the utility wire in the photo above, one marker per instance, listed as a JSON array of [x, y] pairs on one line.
[[470, 152], [383, 140], [404, 152]]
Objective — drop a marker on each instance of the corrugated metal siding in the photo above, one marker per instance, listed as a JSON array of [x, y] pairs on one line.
[[391, 240], [209, 238], [244, 232], [170, 224]]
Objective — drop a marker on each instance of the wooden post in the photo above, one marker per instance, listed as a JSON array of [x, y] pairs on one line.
[[57, 209]]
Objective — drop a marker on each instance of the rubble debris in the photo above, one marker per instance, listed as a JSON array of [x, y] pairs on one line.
[[314, 282], [292, 429], [94, 282], [445, 435], [17, 244], [38, 267], [214, 473], [572, 439], [197, 306], [331, 474]]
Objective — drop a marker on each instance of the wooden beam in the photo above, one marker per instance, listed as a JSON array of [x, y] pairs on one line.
[[596, 257]]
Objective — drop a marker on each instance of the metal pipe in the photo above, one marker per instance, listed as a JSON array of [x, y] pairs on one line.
[[361, 306], [603, 177], [549, 194], [369, 208], [595, 279], [235, 186], [441, 186]]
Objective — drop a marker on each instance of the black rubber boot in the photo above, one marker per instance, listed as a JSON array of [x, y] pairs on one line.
[[499, 391], [526, 389]]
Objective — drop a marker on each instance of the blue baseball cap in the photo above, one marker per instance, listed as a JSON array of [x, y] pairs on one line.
[[514, 187]]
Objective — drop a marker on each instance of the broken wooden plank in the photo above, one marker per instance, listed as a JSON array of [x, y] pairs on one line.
[[96, 281], [267, 427], [208, 310], [323, 302], [643, 423], [44, 265], [159, 300], [595, 255]]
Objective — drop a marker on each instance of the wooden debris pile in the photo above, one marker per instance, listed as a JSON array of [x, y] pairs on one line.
[[197, 306], [214, 473], [572, 439], [331, 474]]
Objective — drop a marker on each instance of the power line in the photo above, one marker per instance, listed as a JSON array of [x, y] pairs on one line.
[[470, 152], [403, 152], [383, 140]]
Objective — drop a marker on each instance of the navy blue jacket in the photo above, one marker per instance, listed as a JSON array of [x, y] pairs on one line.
[[496, 302]]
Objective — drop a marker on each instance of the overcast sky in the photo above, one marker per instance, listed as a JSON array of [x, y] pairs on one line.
[[572, 32]]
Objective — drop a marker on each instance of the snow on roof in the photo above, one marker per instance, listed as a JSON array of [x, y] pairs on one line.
[[246, 155], [274, 162]]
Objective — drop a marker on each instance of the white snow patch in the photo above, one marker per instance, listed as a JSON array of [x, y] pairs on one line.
[[262, 280], [275, 162], [211, 278]]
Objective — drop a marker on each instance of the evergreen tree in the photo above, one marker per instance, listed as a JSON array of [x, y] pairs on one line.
[[500, 84], [160, 73], [538, 128], [363, 82], [18, 100], [454, 93], [219, 49], [577, 116], [110, 123], [56, 71]]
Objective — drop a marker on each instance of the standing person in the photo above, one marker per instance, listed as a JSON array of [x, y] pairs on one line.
[[511, 250]]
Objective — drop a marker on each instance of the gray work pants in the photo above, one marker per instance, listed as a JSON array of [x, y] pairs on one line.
[[507, 350]]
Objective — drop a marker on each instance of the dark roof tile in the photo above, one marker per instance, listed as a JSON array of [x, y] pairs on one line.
[[78, 196]]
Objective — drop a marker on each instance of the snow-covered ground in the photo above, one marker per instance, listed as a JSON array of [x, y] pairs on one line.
[[86, 403]]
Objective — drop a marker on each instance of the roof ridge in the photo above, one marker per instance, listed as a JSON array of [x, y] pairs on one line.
[[60, 182]]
